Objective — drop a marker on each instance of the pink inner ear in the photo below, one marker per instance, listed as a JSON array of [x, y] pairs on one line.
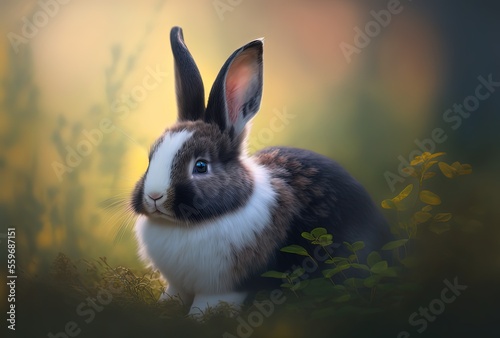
[[238, 80]]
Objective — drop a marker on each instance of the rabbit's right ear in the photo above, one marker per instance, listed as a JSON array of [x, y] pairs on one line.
[[237, 91], [188, 82]]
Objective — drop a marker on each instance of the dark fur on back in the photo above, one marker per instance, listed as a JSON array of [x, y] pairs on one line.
[[315, 191]]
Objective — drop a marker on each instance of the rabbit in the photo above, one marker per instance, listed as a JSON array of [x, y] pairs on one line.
[[212, 218]]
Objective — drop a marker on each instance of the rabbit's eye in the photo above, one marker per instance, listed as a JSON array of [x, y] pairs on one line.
[[200, 167]]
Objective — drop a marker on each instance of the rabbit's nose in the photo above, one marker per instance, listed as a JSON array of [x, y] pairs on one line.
[[155, 195]]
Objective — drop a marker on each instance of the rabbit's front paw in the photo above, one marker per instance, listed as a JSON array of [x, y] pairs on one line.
[[172, 293], [202, 304]]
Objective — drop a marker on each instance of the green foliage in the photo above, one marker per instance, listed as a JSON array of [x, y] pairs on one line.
[[409, 220], [352, 293], [295, 249], [395, 244]]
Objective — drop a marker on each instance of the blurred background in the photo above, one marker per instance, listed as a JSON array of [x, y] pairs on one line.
[[87, 86]]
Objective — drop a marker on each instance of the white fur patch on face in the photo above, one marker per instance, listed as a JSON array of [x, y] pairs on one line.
[[158, 177]]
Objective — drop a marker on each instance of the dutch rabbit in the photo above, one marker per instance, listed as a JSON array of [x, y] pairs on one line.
[[212, 218]]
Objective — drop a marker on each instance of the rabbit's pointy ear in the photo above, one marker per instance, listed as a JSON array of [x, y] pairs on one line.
[[188, 82], [237, 91]]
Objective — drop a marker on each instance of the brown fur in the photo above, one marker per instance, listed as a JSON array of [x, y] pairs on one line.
[[293, 184]]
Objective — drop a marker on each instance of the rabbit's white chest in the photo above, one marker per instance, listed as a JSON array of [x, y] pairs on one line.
[[195, 260], [200, 259]]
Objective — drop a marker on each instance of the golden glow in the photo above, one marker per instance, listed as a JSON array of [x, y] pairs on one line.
[[78, 66]]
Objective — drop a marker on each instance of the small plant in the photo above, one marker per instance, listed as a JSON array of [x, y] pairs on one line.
[[339, 288], [420, 202]]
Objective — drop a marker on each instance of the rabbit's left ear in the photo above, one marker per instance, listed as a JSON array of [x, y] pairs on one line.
[[237, 91], [188, 83]]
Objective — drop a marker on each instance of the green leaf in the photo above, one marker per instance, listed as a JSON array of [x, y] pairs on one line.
[[372, 281], [426, 155], [442, 217], [318, 232], [340, 288], [354, 282], [343, 262], [330, 272], [286, 285], [297, 273], [342, 299], [379, 267], [455, 169], [436, 155], [429, 197], [395, 203], [428, 175], [411, 171], [389, 272], [410, 262], [295, 249], [324, 240], [307, 235], [403, 194], [349, 246], [388, 204], [394, 244], [373, 258], [448, 170], [274, 274], [439, 228], [417, 160], [300, 285], [428, 165], [327, 237], [356, 246], [427, 208], [360, 266], [421, 217], [466, 169]]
